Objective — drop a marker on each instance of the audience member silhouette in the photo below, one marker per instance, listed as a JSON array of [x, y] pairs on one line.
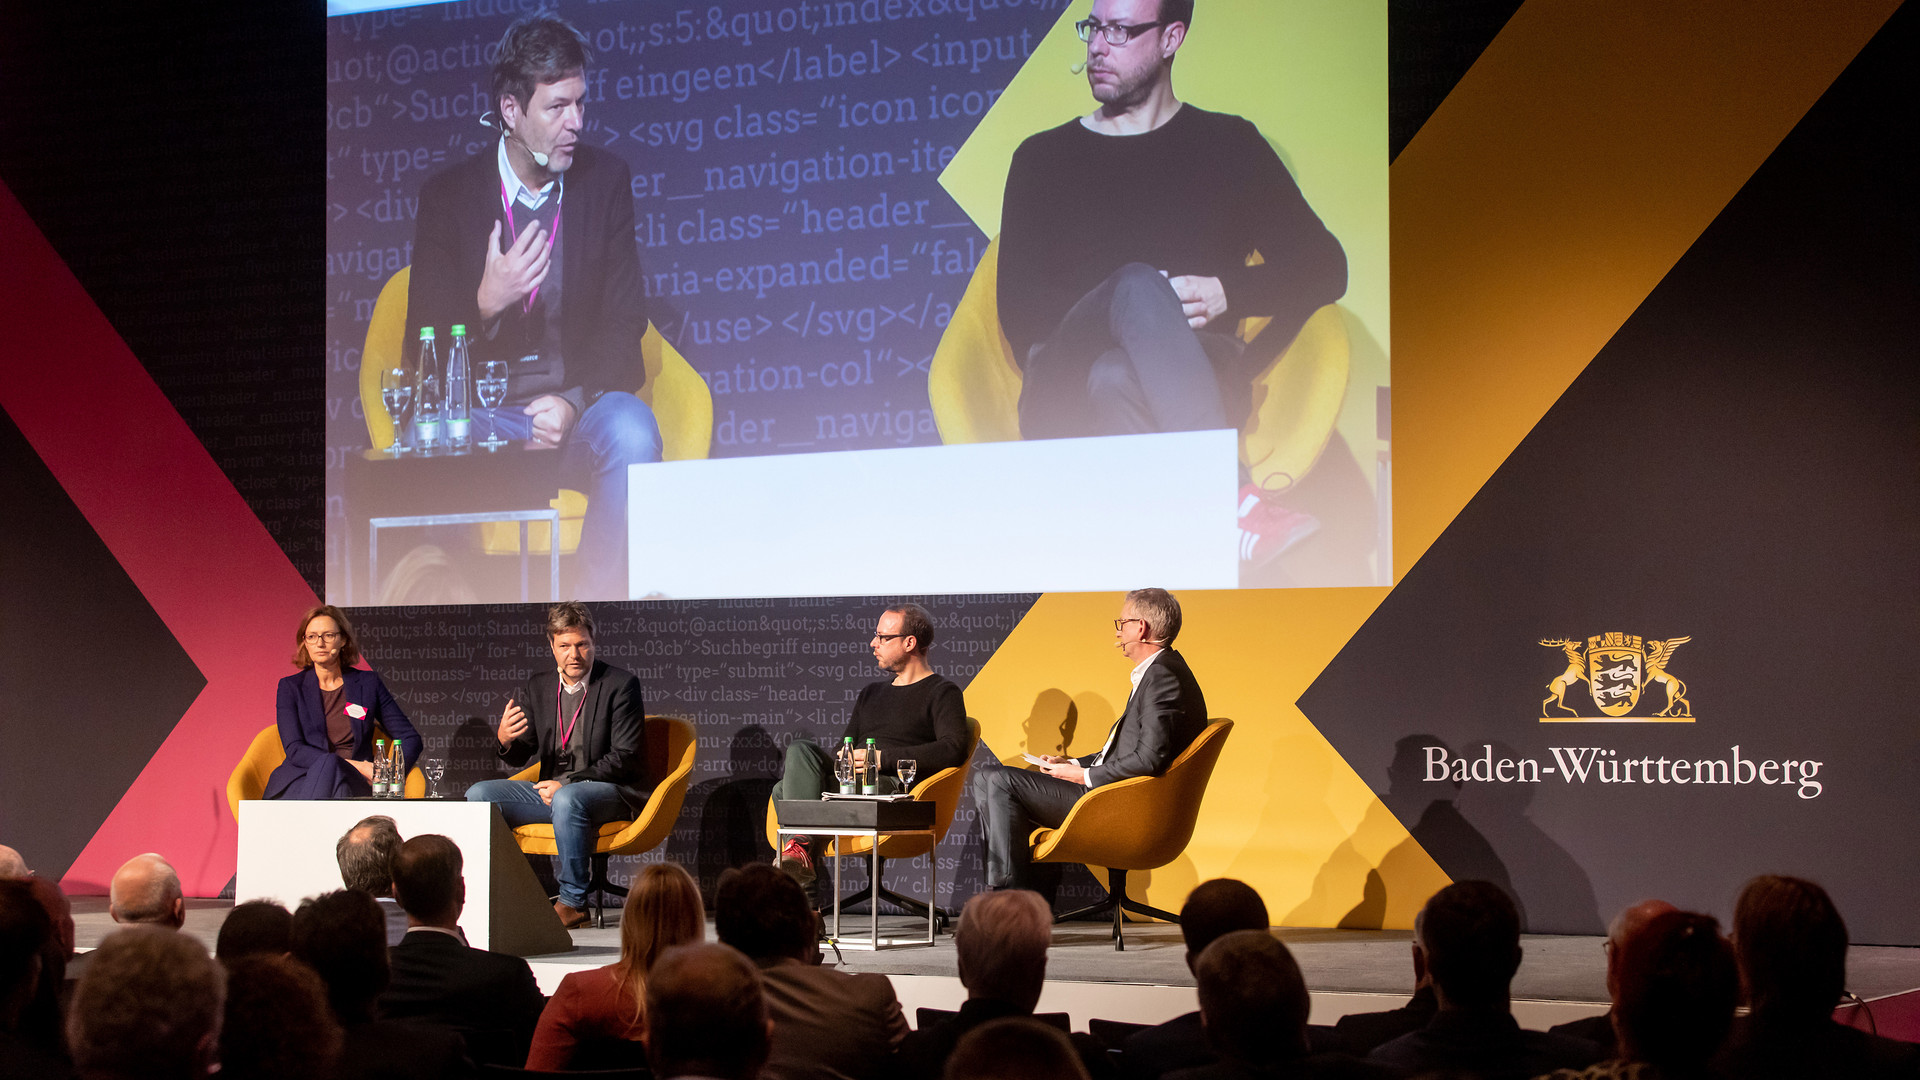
[[1674, 987], [1791, 945], [826, 1023], [31, 1044], [257, 927], [490, 999], [149, 1006], [707, 1014], [365, 854], [1598, 1030], [277, 1025], [1213, 908], [1015, 1048], [1254, 1003], [1470, 938], [1361, 1033], [596, 1018], [340, 936]]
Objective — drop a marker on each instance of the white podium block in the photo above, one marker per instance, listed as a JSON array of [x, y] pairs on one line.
[[287, 854]]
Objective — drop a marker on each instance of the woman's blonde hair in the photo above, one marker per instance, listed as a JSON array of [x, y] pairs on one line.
[[663, 909]]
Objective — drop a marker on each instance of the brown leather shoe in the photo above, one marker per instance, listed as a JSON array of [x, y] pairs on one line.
[[570, 917]]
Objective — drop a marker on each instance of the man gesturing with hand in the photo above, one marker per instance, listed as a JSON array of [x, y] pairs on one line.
[[583, 722]]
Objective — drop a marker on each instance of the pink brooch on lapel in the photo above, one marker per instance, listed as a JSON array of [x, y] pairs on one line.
[[358, 712]]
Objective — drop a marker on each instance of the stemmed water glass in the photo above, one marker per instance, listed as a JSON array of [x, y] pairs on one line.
[[492, 388], [435, 768], [908, 769], [396, 393]]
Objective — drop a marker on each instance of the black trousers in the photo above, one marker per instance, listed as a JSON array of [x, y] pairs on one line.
[[1012, 803]]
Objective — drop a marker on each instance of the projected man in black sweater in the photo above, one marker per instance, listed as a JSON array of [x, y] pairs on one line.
[[1124, 243], [917, 715]]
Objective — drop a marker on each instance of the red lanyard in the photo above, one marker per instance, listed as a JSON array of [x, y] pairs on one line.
[[559, 695], [552, 234]]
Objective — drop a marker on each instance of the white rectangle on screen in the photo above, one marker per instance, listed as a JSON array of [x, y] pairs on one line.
[[1054, 515]]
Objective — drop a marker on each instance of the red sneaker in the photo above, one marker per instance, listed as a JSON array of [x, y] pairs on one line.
[[795, 861], [1267, 528]]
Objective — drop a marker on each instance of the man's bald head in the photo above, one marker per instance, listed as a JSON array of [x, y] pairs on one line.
[[12, 866], [147, 891], [1622, 930]]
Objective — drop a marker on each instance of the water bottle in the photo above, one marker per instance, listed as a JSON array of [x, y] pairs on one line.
[[849, 785], [458, 416], [429, 396], [396, 770], [382, 768], [870, 776]]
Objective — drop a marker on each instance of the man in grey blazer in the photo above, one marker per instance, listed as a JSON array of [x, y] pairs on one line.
[[1164, 714], [583, 723]]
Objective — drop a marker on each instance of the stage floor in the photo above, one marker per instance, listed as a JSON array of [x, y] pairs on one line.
[[1561, 978]]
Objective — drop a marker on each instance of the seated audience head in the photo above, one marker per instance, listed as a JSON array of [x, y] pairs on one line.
[[706, 1014], [1159, 610], [428, 881], [253, 928], [26, 938], [277, 1025], [149, 1005], [663, 910], [59, 909], [1677, 986], [1218, 907], [343, 937], [365, 854], [1014, 1048], [1253, 1000], [1624, 926], [146, 891], [12, 866], [1002, 944], [1469, 933], [1792, 948], [762, 912]]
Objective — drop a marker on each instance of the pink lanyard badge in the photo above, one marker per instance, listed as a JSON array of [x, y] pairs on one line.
[[553, 234]]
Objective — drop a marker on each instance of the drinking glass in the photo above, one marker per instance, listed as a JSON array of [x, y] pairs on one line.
[[492, 388], [908, 769], [435, 768], [396, 393]]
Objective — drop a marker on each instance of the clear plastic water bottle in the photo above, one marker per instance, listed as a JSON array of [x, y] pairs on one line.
[[870, 775], [849, 782], [429, 396], [382, 768], [396, 770], [458, 421]]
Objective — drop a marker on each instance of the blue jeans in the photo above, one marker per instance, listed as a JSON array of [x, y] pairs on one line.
[[614, 432], [578, 811]]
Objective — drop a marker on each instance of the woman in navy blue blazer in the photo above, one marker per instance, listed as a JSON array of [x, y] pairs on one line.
[[326, 712]]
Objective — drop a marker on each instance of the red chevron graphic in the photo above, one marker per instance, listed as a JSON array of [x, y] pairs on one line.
[[184, 535]]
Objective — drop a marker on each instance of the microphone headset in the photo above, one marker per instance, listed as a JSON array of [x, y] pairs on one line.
[[1077, 68], [490, 119]]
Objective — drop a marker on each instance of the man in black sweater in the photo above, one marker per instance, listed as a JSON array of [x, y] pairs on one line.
[[1125, 241], [916, 716]]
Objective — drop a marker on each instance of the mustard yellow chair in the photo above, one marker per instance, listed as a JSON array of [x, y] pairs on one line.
[[670, 754], [249, 778], [974, 383], [942, 789], [678, 396], [1140, 823]]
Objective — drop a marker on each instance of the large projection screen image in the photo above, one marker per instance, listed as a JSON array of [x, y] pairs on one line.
[[782, 299]]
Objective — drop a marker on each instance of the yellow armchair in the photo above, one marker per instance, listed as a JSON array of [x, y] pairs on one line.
[[671, 749], [1140, 823], [974, 383], [249, 778]]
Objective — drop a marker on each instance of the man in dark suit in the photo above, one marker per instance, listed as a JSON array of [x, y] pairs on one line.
[[489, 999], [530, 245], [1213, 909], [1165, 713], [583, 722]]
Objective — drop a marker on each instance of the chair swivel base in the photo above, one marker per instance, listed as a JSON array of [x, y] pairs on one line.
[[599, 888], [1118, 902], [916, 908]]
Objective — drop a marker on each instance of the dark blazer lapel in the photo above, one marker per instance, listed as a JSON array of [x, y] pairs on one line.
[[313, 711]]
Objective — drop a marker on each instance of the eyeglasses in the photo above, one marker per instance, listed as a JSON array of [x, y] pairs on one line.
[[887, 637], [1117, 34], [321, 637], [1121, 624]]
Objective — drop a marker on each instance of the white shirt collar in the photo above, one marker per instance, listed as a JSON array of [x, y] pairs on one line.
[[576, 687], [1140, 669], [516, 190]]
